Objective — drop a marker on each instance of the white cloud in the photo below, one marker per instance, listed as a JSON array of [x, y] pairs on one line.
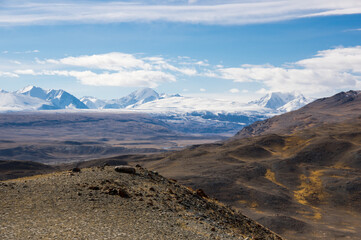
[[25, 72], [26, 52], [117, 61], [111, 61], [262, 91], [211, 12], [8, 74], [202, 90], [245, 91], [352, 30], [15, 62], [329, 69], [234, 90], [325, 72], [125, 79], [202, 63], [111, 69]]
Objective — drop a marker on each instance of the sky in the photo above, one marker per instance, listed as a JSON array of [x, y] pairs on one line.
[[233, 49]]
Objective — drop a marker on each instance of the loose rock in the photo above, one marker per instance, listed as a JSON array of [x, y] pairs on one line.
[[125, 169]]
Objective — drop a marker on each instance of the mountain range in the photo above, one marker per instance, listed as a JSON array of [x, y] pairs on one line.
[[184, 114]]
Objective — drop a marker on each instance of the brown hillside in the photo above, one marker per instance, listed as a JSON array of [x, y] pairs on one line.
[[338, 108], [100, 203], [305, 185]]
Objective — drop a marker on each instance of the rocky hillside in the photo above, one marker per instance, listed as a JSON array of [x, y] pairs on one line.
[[130, 203], [305, 185]]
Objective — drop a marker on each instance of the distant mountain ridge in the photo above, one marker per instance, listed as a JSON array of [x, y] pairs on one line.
[[58, 99], [282, 101], [18, 102], [137, 97], [185, 114]]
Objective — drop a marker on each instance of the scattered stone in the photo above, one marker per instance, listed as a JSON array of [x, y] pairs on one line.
[[152, 189], [76, 169], [201, 193], [123, 193], [94, 188], [138, 166], [104, 182], [125, 169], [112, 192]]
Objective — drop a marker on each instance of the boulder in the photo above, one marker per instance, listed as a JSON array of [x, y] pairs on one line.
[[125, 169]]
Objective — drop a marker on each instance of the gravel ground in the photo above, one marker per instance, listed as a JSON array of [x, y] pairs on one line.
[[100, 203]]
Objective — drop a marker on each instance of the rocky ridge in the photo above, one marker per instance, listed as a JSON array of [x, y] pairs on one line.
[[100, 203]]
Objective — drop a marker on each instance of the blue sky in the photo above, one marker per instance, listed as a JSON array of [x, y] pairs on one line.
[[225, 49]]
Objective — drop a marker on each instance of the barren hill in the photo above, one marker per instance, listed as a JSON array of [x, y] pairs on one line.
[[100, 203], [338, 108]]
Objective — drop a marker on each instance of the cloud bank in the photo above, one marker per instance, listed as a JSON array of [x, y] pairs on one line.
[[113, 69], [204, 12], [331, 69], [326, 72]]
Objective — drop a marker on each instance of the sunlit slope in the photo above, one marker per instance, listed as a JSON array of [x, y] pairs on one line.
[[303, 184]]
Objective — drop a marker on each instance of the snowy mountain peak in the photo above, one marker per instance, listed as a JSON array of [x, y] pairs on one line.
[[276, 100], [56, 99], [92, 102], [144, 95], [33, 91], [140, 96], [63, 100], [12, 101], [136, 98]]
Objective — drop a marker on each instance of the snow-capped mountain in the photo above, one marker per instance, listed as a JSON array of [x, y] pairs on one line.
[[63, 100], [137, 97], [18, 102], [56, 99], [33, 91], [295, 104], [185, 114], [282, 102], [92, 102]]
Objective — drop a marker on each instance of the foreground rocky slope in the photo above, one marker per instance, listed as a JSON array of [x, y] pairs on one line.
[[100, 203]]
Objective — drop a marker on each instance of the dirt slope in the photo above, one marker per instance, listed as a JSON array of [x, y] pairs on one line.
[[100, 203]]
